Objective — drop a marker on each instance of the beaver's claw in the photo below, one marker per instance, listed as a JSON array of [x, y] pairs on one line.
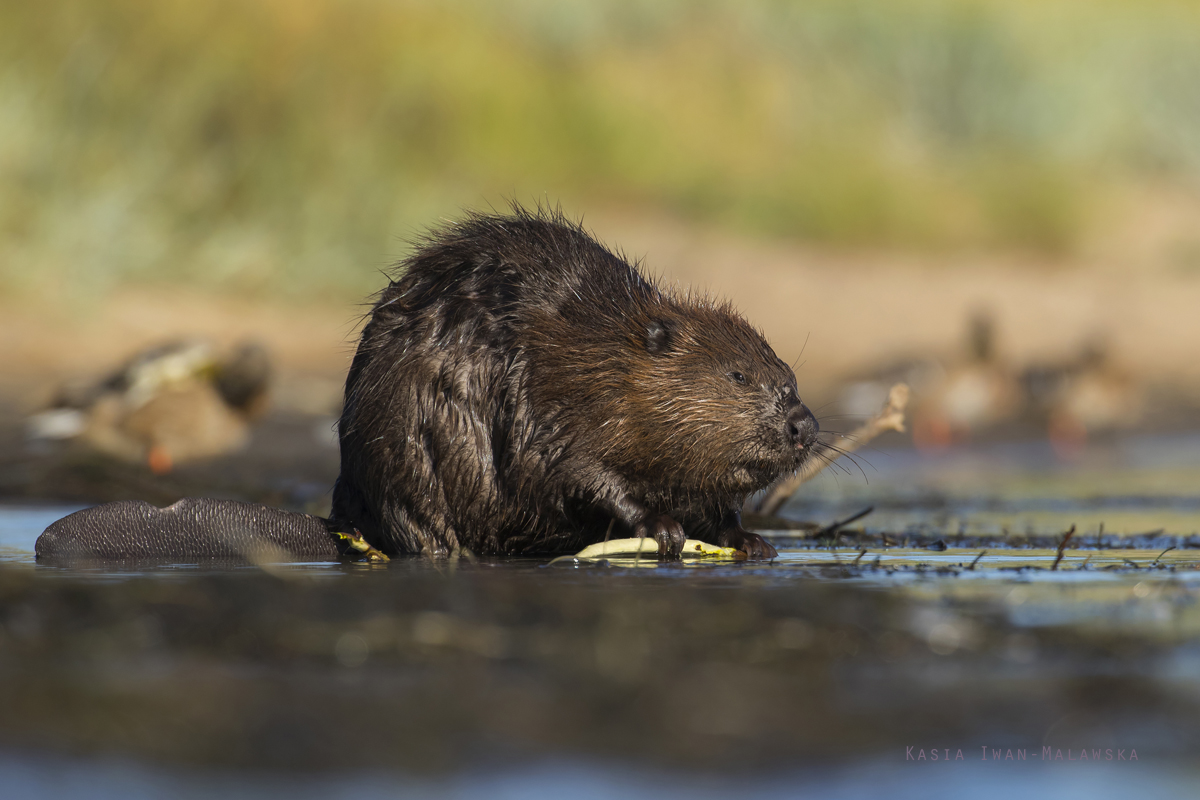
[[752, 544], [666, 531]]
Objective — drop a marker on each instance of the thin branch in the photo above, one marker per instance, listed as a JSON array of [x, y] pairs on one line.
[[832, 528], [1163, 553], [1062, 547]]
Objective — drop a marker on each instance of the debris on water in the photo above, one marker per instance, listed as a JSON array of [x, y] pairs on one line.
[[1156, 541], [831, 529]]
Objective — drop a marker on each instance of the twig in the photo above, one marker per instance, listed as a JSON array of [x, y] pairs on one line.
[[834, 527], [890, 418], [1163, 553], [1062, 547], [982, 553], [860, 555]]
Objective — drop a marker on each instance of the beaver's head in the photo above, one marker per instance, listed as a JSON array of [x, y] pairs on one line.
[[714, 404], [672, 391]]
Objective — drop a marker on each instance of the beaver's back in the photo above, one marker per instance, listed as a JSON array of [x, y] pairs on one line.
[[440, 446]]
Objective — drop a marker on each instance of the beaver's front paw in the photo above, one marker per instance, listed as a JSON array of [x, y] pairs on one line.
[[666, 531], [753, 545]]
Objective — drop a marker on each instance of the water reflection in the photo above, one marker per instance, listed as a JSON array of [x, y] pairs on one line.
[[98, 780]]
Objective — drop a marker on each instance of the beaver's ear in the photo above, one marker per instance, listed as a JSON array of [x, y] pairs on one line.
[[659, 335]]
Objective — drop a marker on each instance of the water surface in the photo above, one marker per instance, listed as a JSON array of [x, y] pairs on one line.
[[810, 675]]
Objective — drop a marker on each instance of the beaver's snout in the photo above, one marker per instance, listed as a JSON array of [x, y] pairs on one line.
[[802, 426]]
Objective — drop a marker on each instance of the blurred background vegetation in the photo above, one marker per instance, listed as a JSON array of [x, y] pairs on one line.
[[280, 146]]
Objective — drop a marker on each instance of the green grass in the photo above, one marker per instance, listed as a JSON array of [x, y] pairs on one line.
[[270, 146]]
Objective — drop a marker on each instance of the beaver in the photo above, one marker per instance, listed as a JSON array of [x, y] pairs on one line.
[[519, 388]]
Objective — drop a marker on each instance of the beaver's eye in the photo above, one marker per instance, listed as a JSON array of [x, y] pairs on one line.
[[658, 337], [738, 377]]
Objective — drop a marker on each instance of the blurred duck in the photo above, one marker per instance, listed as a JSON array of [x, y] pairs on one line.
[[167, 405], [976, 392], [1081, 397], [951, 398]]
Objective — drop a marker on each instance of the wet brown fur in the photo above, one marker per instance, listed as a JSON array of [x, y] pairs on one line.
[[519, 388]]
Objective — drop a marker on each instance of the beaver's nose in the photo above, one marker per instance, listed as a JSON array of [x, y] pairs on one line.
[[802, 426]]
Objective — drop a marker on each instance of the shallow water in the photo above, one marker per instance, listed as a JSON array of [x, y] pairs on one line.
[[20, 527], [100, 780], [512, 677], [1133, 485]]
